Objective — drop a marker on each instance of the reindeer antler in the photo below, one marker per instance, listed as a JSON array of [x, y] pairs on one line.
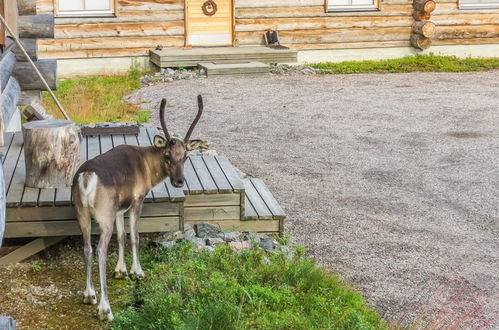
[[162, 118], [200, 111]]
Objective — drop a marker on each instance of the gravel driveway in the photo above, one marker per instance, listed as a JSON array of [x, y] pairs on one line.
[[390, 179]]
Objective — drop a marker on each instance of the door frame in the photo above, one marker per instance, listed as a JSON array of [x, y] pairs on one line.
[[233, 23]]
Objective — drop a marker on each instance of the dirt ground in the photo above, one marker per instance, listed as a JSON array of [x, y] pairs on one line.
[[390, 179]]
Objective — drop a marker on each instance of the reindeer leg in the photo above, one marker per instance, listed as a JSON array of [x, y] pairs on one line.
[[84, 220], [136, 270], [120, 270], [106, 227]]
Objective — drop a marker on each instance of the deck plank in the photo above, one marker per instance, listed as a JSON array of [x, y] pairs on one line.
[[268, 198], [16, 187], [118, 139], [217, 174], [231, 175], [204, 176], [93, 147], [9, 169], [106, 143], [249, 210], [7, 138], [191, 179], [256, 201], [176, 194]]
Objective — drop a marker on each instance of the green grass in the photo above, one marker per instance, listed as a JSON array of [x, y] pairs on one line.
[[184, 289], [98, 99], [418, 63]]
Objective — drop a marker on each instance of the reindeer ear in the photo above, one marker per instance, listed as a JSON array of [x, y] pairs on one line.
[[159, 141]]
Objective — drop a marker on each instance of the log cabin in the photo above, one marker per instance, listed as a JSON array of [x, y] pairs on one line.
[[95, 36]]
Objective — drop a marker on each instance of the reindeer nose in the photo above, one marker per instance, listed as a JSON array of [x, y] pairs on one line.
[[179, 182]]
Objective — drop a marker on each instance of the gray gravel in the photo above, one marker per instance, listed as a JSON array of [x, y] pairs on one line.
[[390, 179]]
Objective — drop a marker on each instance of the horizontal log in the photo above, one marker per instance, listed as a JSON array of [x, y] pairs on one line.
[[425, 28], [36, 26], [142, 29], [126, 16], [28, 79], [8, 100], [26, 7], [467, 31], [45, 6], [277, 3], [329, 35], [7, 64], [97, 53], [470, 41], [464, 19], [305, 23], [420, 42], [150, 4], [318, 11], [31, 48], [352, 45], [109, 43]]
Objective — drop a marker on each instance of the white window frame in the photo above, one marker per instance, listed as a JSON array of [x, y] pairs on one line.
[[334, 8], [79, 13], [489, 5]]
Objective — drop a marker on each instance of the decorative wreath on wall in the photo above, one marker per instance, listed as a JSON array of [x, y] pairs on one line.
[[209, 8]]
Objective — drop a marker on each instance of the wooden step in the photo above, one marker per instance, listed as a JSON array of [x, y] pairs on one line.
[[213, 69], [259, 203], [191, 57]]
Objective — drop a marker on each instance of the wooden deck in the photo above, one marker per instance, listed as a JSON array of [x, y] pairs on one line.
[[213, 192], [191, 57]]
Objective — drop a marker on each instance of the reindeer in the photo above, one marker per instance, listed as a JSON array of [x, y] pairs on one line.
[[109, 185]]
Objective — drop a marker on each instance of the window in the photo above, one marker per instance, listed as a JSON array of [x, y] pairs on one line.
[[351, 5], [84, 7], [472, 4]]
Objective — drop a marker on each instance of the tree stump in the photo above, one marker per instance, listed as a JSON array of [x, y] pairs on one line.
[[52, 153]]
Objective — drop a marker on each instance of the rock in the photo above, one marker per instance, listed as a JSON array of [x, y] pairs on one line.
[[267, 245], [213, 241], [208, 248], [168, 244], [199, 243], [189, 231], [205, 230], [241, 245], [230, 236], [171, 235]]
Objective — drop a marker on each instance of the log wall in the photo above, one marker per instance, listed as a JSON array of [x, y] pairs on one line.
[[140, 25]]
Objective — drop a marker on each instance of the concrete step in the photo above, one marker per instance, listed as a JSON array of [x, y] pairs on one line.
[[212, 69]]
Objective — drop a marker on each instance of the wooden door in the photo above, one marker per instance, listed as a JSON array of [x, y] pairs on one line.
[[208, 22]]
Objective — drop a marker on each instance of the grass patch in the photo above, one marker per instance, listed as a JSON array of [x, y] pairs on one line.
[[184, 289], [98, 99], [418, 63]]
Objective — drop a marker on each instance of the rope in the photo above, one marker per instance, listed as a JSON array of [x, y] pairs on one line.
[[16, 39]]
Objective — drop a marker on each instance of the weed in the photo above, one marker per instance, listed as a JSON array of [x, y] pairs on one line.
[[143, 116], [36, 266], [423, 63]]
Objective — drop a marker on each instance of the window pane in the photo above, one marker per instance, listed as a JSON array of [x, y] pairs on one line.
[[362, 2], [70, 4], [339, 2], [97, 5]]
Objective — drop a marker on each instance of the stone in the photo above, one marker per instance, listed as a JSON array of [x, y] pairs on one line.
[[189, 231], [267, 245], [230, 236], [199, 243], [241, 245], [171, 235], [167, 244], [213, 241], [205, 230]]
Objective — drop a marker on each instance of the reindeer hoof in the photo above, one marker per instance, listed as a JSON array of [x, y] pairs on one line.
[[137, 274], [119, 274], [89, 298], [105, 314]]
